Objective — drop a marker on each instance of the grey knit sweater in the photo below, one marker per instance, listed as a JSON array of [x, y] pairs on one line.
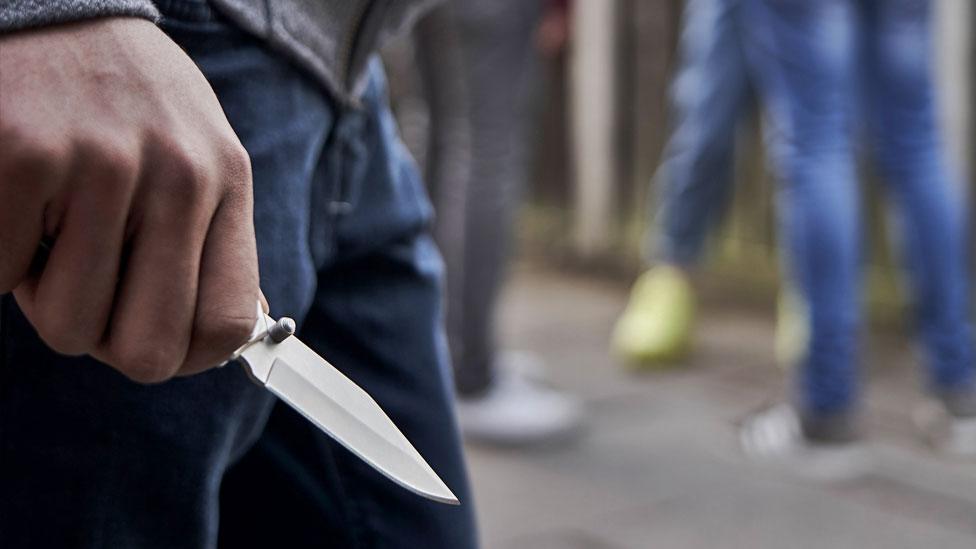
[[332, 39]]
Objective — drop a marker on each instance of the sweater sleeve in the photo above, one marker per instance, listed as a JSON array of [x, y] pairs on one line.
[[22, 14]]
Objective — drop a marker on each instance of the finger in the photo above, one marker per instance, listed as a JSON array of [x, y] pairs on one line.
[[24, 177], [71, 302], [264, 303], [152, 319], [225, 314]]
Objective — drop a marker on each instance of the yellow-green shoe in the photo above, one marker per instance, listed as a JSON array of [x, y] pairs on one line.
[[792, 328], [655, 329]]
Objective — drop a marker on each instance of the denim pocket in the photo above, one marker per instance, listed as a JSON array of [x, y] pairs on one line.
[[189, 11], [192, 15], [199, 28]]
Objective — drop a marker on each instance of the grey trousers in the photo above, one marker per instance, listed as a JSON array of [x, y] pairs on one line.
[[474, 58]]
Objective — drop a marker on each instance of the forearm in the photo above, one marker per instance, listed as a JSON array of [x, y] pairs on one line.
[[23, 14]]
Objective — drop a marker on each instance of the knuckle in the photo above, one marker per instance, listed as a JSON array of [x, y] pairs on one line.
[[115, 164], [189, 180], [11, 130], [146, 363], [28, 153], [61, 334], [236, 165], [120, 163]]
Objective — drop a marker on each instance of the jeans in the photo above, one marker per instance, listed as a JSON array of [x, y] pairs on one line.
[[90, 459], [814, 61], [710, 93]]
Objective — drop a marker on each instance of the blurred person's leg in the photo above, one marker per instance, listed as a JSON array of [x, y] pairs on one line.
[[710, 92], [804, 55], [498, 402], [709, 97], [440, 60], [497, 42], [376, 314], [900, 102]]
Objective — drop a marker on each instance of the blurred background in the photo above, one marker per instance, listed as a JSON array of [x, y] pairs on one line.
[[541, 127]]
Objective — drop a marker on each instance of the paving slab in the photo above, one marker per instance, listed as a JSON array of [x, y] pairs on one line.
[[658, 465]]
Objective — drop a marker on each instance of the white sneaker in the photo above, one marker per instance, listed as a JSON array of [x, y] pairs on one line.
[[952, 436], [519, 410], [774, 436], [962, 438]]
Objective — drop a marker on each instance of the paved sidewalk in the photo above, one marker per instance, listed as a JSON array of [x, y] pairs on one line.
[[658, 467]]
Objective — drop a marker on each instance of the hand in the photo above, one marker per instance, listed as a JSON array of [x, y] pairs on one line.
[[113, 144], [552, 35]]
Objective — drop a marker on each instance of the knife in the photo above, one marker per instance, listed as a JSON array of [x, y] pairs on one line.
[[296, 374], [276, 359]]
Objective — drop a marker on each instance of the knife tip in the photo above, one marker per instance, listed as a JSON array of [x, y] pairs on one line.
[[435, 491], [438, 492], [449, 498]]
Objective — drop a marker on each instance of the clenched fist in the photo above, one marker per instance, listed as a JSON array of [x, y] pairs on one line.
[[114, 147]]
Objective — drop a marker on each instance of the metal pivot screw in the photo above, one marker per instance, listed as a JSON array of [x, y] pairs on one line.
[[282, 330]]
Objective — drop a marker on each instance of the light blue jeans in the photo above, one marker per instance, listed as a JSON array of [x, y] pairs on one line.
[[826, 69], [710, 92]]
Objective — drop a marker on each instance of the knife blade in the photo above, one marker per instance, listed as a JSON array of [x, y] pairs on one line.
[[296, 374], [284, 365]]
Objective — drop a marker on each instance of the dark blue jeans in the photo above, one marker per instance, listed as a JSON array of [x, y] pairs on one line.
[[90, 459]]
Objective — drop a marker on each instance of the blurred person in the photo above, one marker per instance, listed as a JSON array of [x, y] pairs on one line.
[[475, 58], [814, 60], [501, 398], [432, 103], [709, 96], [134, 145]]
